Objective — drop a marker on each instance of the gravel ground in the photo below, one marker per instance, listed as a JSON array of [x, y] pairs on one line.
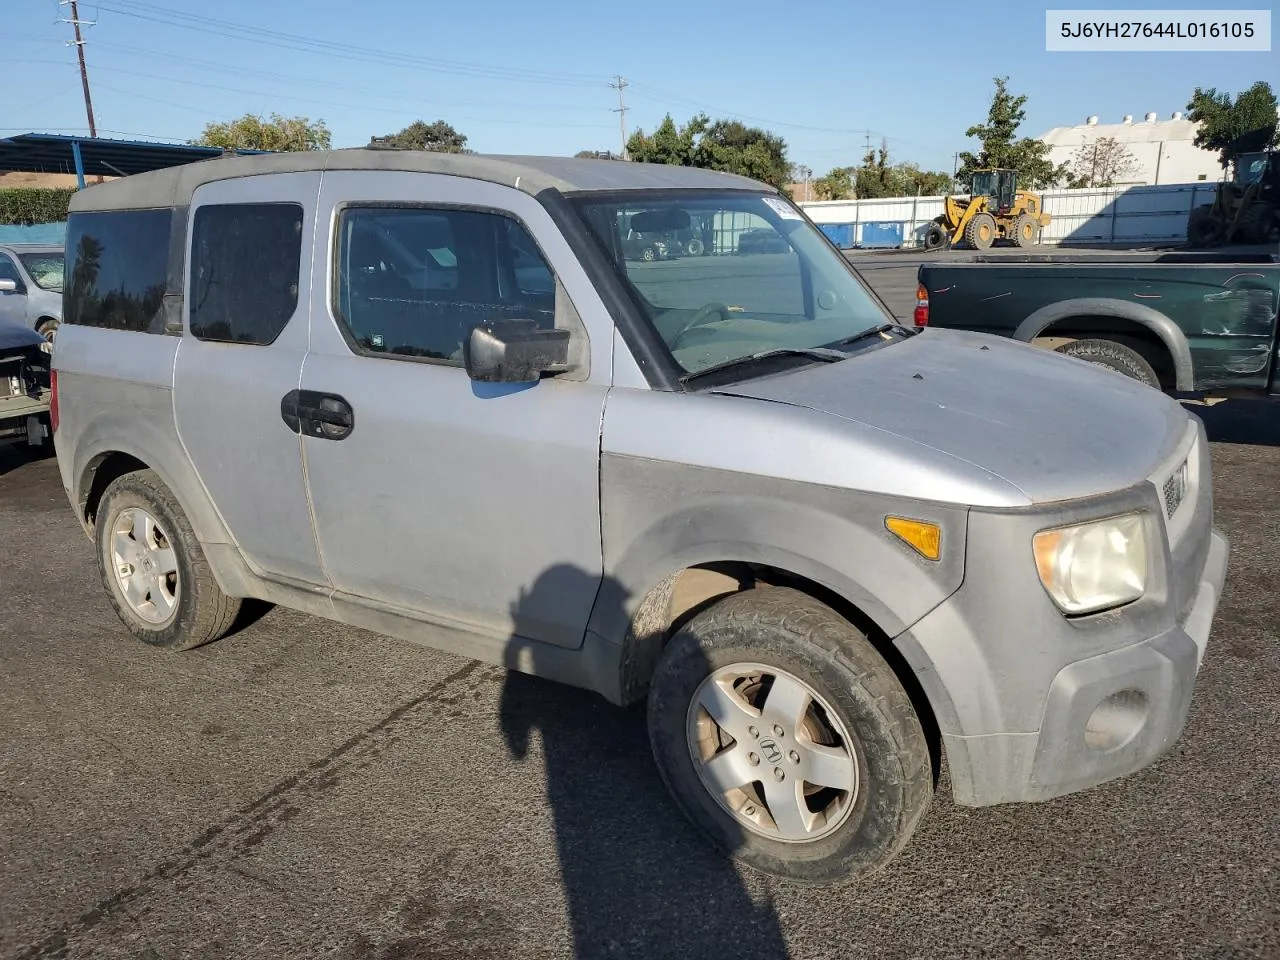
[[303, 789]]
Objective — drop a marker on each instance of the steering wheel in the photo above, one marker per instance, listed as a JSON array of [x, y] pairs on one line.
[[709, 313]]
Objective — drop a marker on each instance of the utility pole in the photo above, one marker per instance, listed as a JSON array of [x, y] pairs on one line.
[[84, 73], [620, 84]]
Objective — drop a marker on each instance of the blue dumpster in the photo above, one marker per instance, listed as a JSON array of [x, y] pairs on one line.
[[884, 234], [841, 234]]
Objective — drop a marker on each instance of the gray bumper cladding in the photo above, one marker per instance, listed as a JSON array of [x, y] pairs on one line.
[[1105, 716]]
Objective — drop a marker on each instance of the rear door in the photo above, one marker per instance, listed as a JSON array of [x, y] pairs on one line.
[[247, 286]]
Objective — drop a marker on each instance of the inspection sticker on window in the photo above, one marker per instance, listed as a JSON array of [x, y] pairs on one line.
[[781, 209]]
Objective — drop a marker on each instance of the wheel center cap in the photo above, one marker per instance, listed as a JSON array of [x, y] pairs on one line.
[[772, 752]]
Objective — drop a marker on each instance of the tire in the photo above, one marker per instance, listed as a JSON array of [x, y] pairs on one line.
[[935, 237], [1025, 231], [199, 612], [48, 328], [886, 753], [980, 232], [1114, 356], [694, 248], [648, 254], [1202, 229], [1258, 223]]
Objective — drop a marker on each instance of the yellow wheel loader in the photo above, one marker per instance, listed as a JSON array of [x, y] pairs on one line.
[[995, 210]]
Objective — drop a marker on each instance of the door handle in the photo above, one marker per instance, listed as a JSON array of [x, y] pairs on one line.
[[315, 414]]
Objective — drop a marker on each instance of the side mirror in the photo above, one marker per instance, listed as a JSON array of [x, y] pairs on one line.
[[514, 351], [8, 286]]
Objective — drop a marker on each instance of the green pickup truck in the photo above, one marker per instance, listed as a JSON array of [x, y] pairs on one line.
[[1184, 323]]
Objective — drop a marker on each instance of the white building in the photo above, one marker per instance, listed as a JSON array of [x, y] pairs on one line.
[[1164, 149]]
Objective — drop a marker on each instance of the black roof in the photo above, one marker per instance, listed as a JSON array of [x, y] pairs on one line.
[[53, 153]]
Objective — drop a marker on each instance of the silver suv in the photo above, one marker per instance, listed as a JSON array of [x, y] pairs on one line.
[[431, 395]]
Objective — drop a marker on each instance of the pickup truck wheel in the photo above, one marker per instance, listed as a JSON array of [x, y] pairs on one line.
[[153, 568], [980, 232], [1113, 356], [48, 328], [785, 737]]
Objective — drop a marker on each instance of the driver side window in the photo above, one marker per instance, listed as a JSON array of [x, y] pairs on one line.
[[413, 282]]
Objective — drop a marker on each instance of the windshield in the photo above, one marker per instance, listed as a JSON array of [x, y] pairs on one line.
[[1250, 167], [726, 275], [45, 269], [984, 184]]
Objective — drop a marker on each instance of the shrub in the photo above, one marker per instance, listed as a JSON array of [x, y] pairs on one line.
[[27, 205]]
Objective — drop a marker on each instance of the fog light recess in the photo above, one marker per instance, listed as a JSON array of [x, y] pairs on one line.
[[1116, 720]]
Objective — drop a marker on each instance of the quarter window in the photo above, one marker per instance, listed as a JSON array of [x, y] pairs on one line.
[[413, 282], [245, 261], [119, 269]]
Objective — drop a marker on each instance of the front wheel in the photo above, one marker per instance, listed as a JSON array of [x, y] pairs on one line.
[[785, 737], [48, 329]]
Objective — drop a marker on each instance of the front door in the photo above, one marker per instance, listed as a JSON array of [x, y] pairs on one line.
[[467, 503], [13, 303], [248, 276]]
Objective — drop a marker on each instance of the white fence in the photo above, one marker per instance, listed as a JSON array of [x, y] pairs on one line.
[[1121, 215]]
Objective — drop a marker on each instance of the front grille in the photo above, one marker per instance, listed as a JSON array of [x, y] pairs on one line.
[[1175, 488]]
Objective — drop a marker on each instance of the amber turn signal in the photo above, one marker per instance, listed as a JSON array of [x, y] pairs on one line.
[[924, 538]]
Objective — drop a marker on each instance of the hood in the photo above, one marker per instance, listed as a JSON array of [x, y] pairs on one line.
[[13, 336], [1054, 427]]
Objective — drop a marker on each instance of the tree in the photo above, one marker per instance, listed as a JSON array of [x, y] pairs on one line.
[[1244, 125], [726, 145], [1001, 148], [1103, 163], [252, 132], [836, 185], [437, 137]]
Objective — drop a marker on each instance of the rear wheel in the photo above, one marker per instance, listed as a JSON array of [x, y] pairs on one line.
[[1114, 356], [153, 568], [1258, 224], [785, 737], [694, 247], [1025, 231], [980, 232]]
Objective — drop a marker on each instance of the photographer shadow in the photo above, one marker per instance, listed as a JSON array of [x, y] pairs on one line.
[[639, 881]]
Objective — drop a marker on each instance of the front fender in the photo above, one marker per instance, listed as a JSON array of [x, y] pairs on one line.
[[660, 518], [1155, 321]]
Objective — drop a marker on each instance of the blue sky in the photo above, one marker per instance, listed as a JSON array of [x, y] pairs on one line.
[[533, 78]]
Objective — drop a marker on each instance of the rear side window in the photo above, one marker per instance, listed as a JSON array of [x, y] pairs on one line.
[[117, 269], [414, 281], [245, 260]]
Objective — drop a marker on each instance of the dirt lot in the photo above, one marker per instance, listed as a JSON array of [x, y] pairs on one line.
[[301, 789]]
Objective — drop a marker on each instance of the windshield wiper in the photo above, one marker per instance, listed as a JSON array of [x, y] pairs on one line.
[[824, 354], [868, 333]]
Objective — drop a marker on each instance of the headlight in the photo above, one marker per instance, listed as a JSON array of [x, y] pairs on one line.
[[1094, 566]]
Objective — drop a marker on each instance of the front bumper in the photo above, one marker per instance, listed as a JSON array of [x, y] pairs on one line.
[[1105, 717], [1031, 704]]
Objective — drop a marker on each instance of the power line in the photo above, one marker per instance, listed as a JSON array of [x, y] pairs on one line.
[[341, 50], [621, 110], [75, 22], [221, 67]]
